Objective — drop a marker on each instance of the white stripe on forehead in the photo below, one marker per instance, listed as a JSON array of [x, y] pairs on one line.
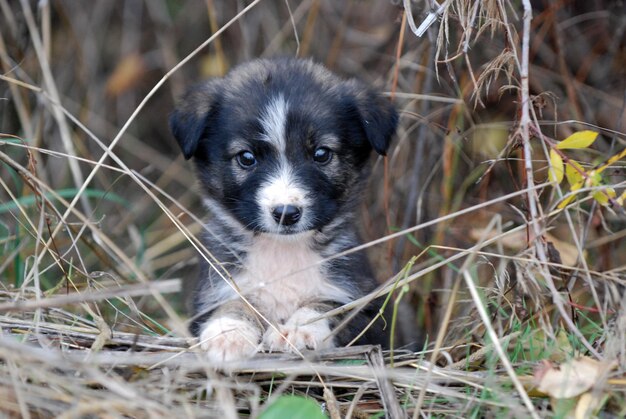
[[274, 121]]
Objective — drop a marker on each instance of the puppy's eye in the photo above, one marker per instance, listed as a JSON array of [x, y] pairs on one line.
[[246, 159], [322, 155]]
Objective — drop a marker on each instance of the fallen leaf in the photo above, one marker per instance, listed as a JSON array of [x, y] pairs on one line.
[[588, 405], [570, 379]]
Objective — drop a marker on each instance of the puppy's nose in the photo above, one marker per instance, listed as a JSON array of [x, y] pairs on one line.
[[286, 214]]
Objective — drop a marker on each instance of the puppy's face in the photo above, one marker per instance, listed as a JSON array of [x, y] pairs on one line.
[[281, 145]]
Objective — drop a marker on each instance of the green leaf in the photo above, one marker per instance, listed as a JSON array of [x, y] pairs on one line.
[[555, 173], [293, 407], [594, 179], [602, 196], [580, 139]]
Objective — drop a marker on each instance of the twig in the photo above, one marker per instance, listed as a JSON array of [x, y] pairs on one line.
[[436, 221], [428, 21], [438, 343], [64, 130], [165, 287], [331, 404], [531, 196], [482, 353], [387, 392]]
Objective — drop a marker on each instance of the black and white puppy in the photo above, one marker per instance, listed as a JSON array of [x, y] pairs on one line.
[[281, 149]]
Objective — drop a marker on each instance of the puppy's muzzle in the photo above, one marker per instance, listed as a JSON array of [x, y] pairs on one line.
[[286, 215]]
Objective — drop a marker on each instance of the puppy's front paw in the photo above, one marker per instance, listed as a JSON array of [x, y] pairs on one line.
[[227, 339], [298, 333]]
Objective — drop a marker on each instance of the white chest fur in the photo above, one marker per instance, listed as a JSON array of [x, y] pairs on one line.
[[283, 273]]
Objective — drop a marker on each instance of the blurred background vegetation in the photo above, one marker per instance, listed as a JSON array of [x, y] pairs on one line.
[[456, 88], [74, 73]]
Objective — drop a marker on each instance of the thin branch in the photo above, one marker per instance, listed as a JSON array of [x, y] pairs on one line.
[[531, 195]]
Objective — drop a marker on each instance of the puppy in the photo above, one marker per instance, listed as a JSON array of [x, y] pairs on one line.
[[281, 149]]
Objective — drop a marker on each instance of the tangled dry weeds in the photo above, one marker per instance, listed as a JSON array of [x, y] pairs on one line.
[[516, 277]]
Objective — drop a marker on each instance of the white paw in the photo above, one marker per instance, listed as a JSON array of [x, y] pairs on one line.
[[296, 332], [225, 339]]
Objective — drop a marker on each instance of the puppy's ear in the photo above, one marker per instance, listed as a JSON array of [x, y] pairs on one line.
[[193, 114], [378, 116]]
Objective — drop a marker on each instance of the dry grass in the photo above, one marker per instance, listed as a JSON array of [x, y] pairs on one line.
[[99, 218]]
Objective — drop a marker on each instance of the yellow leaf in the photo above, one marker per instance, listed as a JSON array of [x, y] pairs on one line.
[[621, 198], [573, 176], [601, 198], [569, 199], [555, 173], [603, 195], [612, 160], [580, 139]]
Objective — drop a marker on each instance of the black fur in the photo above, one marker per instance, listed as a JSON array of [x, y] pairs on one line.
[[217, 119]]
